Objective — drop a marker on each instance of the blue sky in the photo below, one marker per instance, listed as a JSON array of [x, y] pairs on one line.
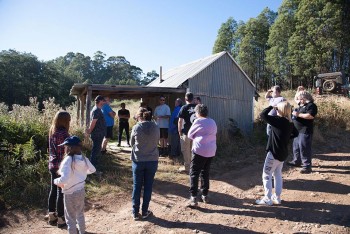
[[148, 33]]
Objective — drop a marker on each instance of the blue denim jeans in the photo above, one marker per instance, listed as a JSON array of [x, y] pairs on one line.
[[143, 176], [302, 153], [96, 150]]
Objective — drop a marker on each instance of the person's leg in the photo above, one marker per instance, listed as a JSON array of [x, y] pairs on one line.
[[137, 172], [166, 152], [149, 173], [296, 151], [205, 176], [269, 167], [96, 150], [278, 181], [175, 144], [80, 204], [120, 132], [70, 213], [127, 133], [53, 192], [197, 164], [59, 203], [305, 150], [187, 152]]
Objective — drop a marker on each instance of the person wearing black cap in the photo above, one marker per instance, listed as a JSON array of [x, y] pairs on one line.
[[97, 129], [74, 169]]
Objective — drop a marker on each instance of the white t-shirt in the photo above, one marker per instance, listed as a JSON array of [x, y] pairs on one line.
[[162, 110], [274, 102]]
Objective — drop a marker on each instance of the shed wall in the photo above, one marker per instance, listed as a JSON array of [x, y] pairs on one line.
[[227, 92]]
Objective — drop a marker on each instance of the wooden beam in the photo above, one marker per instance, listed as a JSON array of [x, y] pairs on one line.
[[82, 110], [78, 110]]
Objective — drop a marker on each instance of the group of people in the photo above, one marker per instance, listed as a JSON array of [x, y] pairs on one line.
[[284, 124], [192, 132]]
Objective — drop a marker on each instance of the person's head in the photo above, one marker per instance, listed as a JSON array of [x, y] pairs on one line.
[[300, 88], [178, 102], [305, 97], [100, 101], [189, 97], [122, 105], [161, 100], [276, 91], [107, 100], [284, 109], [142, 114], [201, 110], [61, 120], [197, 100], [72, 145]]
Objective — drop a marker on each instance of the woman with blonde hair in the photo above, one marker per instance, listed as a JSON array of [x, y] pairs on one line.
[[282, 129], [58, 132]]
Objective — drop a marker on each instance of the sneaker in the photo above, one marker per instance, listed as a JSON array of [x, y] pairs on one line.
[[264, 201], [276, 200], [192, 202], [129, 145], [61, 222], [118, 145], [205, 199], [305, 171], [136, 216], [52, 218], [145, 215], [293, 164]]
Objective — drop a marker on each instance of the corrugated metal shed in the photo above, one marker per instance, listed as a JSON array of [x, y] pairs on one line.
[[222, 85]]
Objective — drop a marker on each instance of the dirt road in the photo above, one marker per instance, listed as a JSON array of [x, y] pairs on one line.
[[314, 203]]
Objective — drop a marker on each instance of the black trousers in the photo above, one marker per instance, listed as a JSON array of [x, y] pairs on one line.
[[56, 196], [122, 126], [200, 167]]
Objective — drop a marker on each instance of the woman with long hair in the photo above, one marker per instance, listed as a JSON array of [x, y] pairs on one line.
[[58, 132], [282, 129], [144, 155]]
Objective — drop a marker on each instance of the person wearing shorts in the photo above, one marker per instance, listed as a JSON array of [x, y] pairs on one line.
[[109, 115], [161, 115]]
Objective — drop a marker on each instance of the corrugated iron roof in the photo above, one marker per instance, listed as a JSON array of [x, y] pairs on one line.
[[177, 76]]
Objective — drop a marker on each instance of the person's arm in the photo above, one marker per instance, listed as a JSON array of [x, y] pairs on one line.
[[272, 120], [193, 130], [132, 137], [268, 94], [64, 171], [92, 126], [112, 114], [179, 126], [90, 168], [303, 115]]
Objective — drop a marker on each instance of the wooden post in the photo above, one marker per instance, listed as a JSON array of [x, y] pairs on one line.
[[78, 110], [88, 106], [82, 109]]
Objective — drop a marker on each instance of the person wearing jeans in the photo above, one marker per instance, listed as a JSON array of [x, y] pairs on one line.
[[97, 130], [203, 133], [282, 129], [144, 155]]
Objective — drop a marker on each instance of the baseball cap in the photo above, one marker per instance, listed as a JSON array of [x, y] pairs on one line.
[[71, 141]]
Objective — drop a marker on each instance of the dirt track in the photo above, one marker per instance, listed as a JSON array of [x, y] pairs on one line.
[[315, 203]]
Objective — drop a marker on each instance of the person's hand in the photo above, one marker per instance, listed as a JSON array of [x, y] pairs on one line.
[[295, 113]]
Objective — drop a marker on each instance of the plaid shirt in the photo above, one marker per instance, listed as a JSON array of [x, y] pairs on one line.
[[57, 152]]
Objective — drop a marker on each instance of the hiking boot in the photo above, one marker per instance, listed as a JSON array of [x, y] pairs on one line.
[[61, 222], [145, 215], [52, 218], [205, 199], [192, 202], [136, 216], [276, 200], [305, 171], [293, 164], [264, 201]]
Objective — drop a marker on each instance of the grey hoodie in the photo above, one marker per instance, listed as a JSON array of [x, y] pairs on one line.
[[144, 141]]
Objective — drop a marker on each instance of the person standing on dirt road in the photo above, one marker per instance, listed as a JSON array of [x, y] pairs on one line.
[[124, 116], [175, 148], [203, 134], [109, 115], [282, 129], [144, 155], [162, 115], [274, 97], [186, 118], [97, 130], [303, 119]]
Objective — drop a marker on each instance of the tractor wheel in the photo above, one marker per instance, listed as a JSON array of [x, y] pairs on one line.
[[329, 85]]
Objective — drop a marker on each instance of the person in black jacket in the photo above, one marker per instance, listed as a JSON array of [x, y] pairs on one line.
[[277, 150]]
